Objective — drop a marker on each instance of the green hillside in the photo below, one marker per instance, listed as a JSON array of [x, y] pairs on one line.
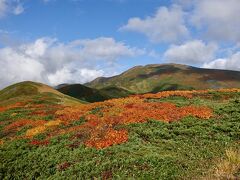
[[27, 91], [115, 92], [155, 78]]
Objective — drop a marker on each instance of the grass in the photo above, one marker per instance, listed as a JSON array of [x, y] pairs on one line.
[[186, 149], [19, 89], [228, 167]]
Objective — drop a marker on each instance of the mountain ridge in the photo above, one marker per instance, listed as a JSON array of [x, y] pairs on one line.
[[159, 77]]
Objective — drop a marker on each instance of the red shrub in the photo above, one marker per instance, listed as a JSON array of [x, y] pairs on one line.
[[39, 143]]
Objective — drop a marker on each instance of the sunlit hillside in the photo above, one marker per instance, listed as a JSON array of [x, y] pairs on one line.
[[159, 77]]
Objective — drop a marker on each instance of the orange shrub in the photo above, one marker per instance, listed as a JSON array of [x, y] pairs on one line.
[[12, 106], [111, 137], [39, 113], [2, 109], [68, 114], [1, 142], [162, 111], [100, 125], [164, 94], [23, 122], [186, 94]]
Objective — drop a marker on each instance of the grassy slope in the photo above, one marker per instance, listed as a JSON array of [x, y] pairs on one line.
[[29, 90], [115, 92], [187, 149], [155, 78]]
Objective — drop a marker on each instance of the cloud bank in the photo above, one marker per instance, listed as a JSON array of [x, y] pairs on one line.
[[167, 25], [218, 19], [230, 63], [50, 61], [193, 52]]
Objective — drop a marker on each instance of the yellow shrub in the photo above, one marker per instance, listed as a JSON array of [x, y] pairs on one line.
[[53, 123], [35, 131]]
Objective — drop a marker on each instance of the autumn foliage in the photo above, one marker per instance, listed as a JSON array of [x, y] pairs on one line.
[[39, 143], [24, 122], [102, 119], [12, 106], [187, 94], [110, 137]]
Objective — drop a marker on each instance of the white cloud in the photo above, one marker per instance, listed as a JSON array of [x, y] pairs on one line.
[[15, 66], [167, 25], [193, 52], [18, 9], [71, 75], [49, 61], [230, 63], [219, 19], [10, 7], [105, 48]]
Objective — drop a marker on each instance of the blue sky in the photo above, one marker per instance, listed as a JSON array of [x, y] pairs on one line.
[[68, 20], [75, 41]]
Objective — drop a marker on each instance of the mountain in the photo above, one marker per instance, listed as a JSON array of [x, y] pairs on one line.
[[28, 91], [45, 134], [158, 77]]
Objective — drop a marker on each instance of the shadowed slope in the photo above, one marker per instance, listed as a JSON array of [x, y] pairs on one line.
[[84, 93], [93, 95]]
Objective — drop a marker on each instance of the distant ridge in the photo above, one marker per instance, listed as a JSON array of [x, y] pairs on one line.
[[160, 77], [137, 80]]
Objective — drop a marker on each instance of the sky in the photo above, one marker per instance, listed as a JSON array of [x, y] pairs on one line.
[[76, 41]]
